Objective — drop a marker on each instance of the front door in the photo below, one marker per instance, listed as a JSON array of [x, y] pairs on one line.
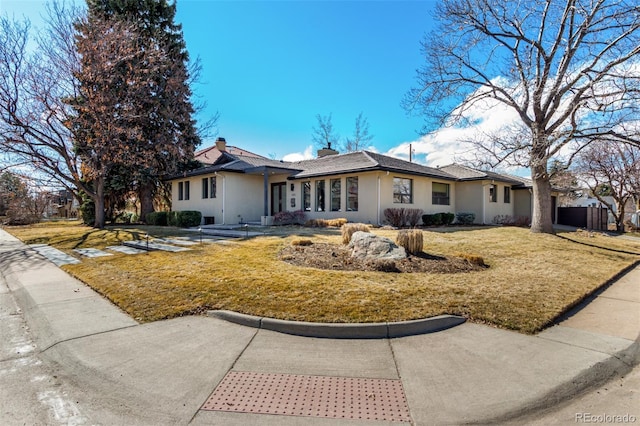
[[278, 197]]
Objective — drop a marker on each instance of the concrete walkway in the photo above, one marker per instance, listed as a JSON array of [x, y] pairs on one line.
[[115, 371]]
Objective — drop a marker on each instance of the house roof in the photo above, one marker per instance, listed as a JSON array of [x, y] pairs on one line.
[[465, 173], [209, 155], [324, 166], [363, 161]]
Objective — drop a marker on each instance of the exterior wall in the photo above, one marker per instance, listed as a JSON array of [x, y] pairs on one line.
[[473, 197], [499, 207], [238, 197], [375, 194], [523, 206], [469, 199]]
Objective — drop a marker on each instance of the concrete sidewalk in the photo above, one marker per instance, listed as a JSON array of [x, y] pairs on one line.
[[116, 371]]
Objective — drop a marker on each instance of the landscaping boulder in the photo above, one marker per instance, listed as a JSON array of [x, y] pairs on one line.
[[367, 246]]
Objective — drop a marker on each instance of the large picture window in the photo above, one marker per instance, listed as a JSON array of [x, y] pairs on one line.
[[402, 190], [440, 194], [336, 194], [320, 198], [306, 196], [352, 194]]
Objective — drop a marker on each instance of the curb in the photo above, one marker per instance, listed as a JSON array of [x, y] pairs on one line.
[[378, 330]]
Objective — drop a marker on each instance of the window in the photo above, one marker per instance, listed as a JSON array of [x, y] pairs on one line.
[[319, 195], [402, 190], [336, 194], [440, 193], [507, 194], [186, 190], [214, 186], [180, 191], [205, 188], [306, 196], [352, 194], [493, 193]]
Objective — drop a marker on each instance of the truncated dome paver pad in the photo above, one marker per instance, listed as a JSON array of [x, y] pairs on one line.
[[315, 396]]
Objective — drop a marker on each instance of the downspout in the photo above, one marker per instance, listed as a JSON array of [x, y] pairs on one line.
[[484, 204], [224, 196], [266, 192], [378, 203]]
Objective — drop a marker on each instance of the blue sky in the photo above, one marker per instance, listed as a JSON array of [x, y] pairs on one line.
[[269, 67]]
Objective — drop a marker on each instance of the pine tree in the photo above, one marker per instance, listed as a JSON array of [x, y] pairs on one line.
[[169, 135]]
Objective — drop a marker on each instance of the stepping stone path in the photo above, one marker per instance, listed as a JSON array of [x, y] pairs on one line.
[[126, 249], [54, 255], [153, 246], [92, 252], [175, 241]]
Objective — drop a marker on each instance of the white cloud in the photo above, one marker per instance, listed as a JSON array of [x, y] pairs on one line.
[[451, 144], [299, 156]]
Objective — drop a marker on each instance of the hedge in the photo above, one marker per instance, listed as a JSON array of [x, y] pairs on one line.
[[156, 218], [184, 219]]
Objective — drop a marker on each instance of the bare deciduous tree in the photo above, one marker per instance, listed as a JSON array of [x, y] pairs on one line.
[[33, 83], [615, 166], [360, 136], [323, 134], [568, 68]]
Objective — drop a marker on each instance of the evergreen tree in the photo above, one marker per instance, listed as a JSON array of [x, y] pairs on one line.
[[169, 135]]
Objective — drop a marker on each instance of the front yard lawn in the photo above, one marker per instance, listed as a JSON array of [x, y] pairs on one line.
[[530, 281]]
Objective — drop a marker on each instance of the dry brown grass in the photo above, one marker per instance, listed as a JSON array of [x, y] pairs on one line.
[[531, 279], [348, 229]]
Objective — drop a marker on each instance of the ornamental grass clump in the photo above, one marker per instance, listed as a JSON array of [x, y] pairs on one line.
[[348, 229], [411, 239]]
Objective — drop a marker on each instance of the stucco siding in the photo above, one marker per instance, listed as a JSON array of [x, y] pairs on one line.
[[522, 207], [469, 199]]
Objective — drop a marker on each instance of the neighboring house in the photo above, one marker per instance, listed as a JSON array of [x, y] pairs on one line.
[[587, 200], [242, 187]]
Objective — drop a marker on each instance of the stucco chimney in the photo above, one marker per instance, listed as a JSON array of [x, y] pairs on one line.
[[221, 144], [327, 151]]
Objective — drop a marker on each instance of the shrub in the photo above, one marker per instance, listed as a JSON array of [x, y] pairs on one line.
[[323, 223], [156, 218], [297, 217], [447, 218], [411, 239], [301, 242], [413, 216], [473, 259], [399, 217], [184, 219], [337, 222], [348, 229], [465, 218], [432, 219], [87, 210], [316, 223], [523, 221]]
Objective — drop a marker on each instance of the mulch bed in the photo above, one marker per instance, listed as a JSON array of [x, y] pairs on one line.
[[338, 257]]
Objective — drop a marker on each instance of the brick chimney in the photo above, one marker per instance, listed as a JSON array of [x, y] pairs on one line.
[[221, 144], [327, 151]]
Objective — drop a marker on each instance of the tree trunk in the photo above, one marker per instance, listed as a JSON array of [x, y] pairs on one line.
[[541, 222], [98, 201], [146, 200], [619, 215]]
